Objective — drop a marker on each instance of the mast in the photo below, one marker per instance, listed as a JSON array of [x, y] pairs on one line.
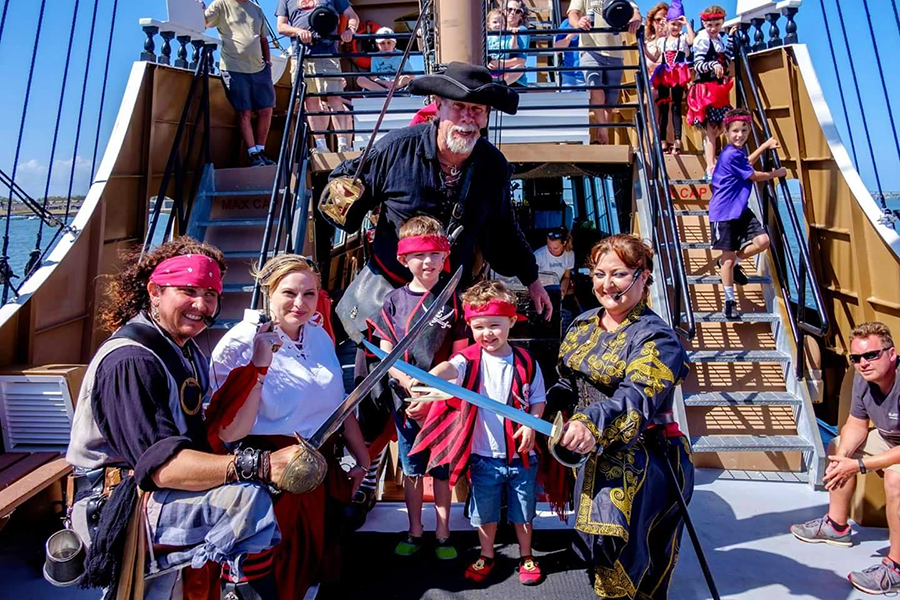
[[460, 31]]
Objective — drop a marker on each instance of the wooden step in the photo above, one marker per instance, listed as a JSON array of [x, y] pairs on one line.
[[226, 323], [688, 182], [728, 356], [749, 317], [236, 254], [258, 222], [692, 213], [750, 443], [231, 193], [237, 288], [741, 399], [700, 279]]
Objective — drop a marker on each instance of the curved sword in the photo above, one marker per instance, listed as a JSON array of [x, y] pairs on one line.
[[553, 430], [334, 421]]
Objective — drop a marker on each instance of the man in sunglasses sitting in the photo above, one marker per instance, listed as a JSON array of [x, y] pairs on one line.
[[876, 398]]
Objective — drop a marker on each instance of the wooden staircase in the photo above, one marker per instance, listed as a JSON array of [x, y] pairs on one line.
[[230, 213], [743, 408]]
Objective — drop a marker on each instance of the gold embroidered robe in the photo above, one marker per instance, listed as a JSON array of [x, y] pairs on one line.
[[628, 519]]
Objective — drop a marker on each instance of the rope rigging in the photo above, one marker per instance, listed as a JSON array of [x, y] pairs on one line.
[[35, 256], [840, 86], [112, 27], [3, 18], [862, 113], [5, 270], [887, 100]]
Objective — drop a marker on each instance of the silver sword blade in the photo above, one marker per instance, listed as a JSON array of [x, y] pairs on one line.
[[334, 421]]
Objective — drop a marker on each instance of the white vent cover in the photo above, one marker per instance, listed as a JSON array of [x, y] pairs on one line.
[[35, 413]]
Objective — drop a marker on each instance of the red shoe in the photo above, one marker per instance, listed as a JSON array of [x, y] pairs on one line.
[[480, 570], [529, 571]]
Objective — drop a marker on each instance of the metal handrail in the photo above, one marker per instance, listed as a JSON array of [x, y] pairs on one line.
[[770, 193], [293, 150], [174, 166], [665, 233]]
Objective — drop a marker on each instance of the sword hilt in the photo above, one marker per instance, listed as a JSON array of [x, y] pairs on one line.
[[563, 455]]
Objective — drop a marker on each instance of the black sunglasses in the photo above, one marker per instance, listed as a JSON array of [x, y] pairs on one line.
[[516, 10], [556, 234], [869, 356]]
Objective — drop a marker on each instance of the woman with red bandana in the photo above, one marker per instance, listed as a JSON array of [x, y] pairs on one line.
[[139, 411]]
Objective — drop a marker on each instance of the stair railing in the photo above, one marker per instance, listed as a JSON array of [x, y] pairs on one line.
[[786, 266], [285, 192], [666, 241], [176, 165]]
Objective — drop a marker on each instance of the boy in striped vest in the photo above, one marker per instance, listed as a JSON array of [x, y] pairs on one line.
[[499, 454]]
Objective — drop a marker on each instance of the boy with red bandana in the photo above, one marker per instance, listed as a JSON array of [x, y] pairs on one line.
[[423, 249], [499, 454]]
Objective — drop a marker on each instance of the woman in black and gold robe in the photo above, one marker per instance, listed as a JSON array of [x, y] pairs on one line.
[[622, 364]]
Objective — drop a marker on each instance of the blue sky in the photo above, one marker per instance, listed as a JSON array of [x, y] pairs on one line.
[[19, 34]]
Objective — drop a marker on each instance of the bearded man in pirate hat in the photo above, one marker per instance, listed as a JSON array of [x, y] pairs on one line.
[[444, 169]]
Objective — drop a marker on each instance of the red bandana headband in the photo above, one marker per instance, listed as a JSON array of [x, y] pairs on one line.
[[729, 120], [423, 243], [494, 308], [188, 270], [711, 16]]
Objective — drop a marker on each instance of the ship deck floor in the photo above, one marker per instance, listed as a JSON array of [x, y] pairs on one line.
[[743, 526]]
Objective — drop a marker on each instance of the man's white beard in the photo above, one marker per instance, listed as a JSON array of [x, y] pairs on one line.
[[460, 145]]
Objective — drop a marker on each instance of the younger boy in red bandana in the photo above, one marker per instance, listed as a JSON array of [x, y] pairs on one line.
[[499, 453]]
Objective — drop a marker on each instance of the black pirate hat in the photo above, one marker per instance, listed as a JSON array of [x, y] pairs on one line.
[[467, 83]]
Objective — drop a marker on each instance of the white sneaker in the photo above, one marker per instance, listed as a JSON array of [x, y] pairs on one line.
[[343, 146]]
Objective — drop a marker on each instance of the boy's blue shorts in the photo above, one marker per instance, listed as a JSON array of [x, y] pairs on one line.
[[417, 464], [489, 477]]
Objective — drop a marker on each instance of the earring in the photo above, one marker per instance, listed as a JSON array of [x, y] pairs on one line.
[[154, 312]]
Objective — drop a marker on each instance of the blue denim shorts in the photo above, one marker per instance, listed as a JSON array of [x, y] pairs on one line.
[[417, 464], [489, 478]]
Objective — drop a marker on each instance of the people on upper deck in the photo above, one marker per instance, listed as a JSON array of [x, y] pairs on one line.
[[385, 66], [140, 411], [246, 67], [709, 97], [447, 170], [619, 367], [294, 21], [569, 60], [672, 74], [503, 49], [301, 387], [601, 66], [424, 249], [655, 28], [734, 228], [860, 449]]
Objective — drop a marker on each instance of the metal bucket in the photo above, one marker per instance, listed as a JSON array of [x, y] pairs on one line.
[[64, 564]]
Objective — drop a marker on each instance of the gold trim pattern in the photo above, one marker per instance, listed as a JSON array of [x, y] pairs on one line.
[[623, 429], [583, 522], [613, 583], [584, 420], [651, 372], [608, 365], [623, 466]]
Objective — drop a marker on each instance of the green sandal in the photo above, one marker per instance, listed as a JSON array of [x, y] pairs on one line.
[[445, 550], [409, 546]]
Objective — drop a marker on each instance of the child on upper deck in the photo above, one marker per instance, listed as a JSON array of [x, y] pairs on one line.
[[673, 74], [735, 229], [709, 97], [424, 249], [499, 454]]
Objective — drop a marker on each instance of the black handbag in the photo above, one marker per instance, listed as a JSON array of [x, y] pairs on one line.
[[362, 300]]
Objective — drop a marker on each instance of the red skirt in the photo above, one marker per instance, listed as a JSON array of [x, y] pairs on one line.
[[671, 76], [706, 95]]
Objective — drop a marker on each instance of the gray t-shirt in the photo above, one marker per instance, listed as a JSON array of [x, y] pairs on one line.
[[884, 411], [298, 13]]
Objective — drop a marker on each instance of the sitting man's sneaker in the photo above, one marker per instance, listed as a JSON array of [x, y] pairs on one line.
[[731, 310], [266, 160], [445, 550], [879, 579], [343, 146], [257, 160], [409, 546], [480, 570], [740, 277], [822, 531], [529, 571]]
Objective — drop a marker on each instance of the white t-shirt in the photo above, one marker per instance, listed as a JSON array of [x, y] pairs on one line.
[[489, 437], [554, 264], [302, 387]]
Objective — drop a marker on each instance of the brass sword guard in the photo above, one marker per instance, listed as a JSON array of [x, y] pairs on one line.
[[565, 457], [305, 471], [338, 196]]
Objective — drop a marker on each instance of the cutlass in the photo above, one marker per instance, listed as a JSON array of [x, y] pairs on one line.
[[553, 430]]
